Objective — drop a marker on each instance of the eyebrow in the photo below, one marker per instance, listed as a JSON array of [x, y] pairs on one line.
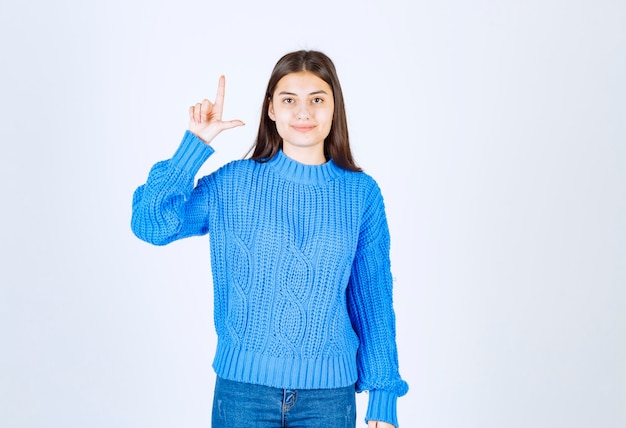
[[321, 91]]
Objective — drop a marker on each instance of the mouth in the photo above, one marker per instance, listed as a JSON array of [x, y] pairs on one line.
[[302, 128]]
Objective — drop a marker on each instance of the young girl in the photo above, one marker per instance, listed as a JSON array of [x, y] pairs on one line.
[[299, 255]]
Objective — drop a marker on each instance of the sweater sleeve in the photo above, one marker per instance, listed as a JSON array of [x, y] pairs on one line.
[[371, 310], [168, 207]]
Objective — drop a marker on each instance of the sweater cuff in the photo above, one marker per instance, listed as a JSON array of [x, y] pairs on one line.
[[382, 407], [191, 153]]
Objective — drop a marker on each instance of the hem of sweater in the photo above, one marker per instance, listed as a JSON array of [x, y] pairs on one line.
[[191, 153], [335, 371], [382, 406]]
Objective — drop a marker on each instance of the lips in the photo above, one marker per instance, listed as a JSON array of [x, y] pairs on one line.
[[303, 128]]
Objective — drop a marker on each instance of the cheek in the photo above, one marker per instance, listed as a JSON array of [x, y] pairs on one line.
[[281, 123], [328, 118], [281, 115], [281, 120]]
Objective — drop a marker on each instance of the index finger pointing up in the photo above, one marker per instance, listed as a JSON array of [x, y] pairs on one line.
[[219, 98]]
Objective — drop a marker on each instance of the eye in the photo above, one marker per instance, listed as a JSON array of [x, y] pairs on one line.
[[288, 100], [318, 100]]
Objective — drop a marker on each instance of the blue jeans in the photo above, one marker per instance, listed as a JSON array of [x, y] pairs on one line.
[[244, 405]]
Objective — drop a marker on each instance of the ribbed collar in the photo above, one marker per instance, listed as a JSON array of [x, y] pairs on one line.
[[301, 173]]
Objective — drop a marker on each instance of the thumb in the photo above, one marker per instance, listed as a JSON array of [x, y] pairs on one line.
[[229, 124]]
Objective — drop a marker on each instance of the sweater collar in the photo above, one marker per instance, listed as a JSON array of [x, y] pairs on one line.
[[301, 173]]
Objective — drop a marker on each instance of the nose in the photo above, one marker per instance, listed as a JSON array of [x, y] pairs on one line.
[[303, 112]]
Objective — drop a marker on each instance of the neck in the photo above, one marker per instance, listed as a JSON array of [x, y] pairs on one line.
[[297, 172], [313, 155]]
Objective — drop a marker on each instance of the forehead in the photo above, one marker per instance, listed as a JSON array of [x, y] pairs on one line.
[[302, 83]]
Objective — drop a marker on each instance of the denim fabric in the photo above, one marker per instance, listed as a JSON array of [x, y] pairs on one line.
[[244, 405]]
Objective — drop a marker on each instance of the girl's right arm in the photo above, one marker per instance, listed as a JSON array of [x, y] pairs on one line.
[[168, 207]]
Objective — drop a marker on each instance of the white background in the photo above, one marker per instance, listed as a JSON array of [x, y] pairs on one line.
[[496, 130]]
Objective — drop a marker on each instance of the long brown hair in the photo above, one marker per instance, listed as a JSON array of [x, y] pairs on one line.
[[337, 144]]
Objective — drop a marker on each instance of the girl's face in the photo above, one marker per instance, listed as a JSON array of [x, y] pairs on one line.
[[302, 107]]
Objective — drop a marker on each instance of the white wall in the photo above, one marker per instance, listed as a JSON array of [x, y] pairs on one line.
[[496, 130]]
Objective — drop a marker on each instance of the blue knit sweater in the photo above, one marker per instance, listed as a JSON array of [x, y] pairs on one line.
[[301, 270]]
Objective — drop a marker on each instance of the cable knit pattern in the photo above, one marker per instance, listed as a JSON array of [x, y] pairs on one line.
[[301, 271]]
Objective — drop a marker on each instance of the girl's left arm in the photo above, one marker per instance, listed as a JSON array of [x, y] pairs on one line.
[[370, 303]]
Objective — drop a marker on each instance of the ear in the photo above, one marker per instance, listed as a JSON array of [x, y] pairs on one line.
[[270, 111]]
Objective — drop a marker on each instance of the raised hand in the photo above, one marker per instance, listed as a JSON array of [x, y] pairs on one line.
[[205, 118]]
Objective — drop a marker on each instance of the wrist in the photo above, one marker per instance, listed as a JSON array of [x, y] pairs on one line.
[[191, 153], [381, 407]]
